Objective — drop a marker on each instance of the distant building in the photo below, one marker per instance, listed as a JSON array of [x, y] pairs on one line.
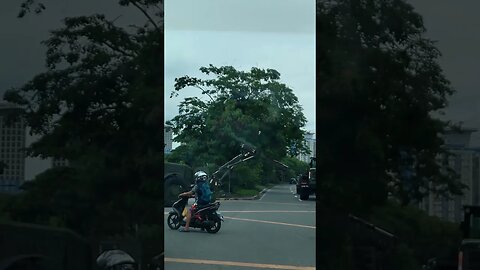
[[466, 162], [12, 143], [311, 143], [59, 162], [167, 138]]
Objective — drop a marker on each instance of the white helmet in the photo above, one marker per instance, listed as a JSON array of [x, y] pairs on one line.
[[200, 176]]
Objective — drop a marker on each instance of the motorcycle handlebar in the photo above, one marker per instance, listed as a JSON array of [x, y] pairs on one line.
[[186, 196]]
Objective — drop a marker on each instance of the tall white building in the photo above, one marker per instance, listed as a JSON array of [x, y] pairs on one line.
[[466, 163], [167, 139], [12, 143], [311, 143]]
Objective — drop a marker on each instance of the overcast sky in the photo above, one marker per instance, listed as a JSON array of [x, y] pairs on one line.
[[455, 27], [21, 54], [248, 33], [278, 34]]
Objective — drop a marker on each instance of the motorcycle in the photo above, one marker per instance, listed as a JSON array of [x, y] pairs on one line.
[[206, 217]]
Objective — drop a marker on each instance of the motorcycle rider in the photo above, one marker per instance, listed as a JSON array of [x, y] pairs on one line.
[[201, 178]]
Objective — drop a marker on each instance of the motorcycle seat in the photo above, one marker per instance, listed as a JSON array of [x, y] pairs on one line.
[[207, 205]]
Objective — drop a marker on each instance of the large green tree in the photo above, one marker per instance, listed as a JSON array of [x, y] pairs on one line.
[[378, 85], [239, 107], [99, 106], [379, 82]]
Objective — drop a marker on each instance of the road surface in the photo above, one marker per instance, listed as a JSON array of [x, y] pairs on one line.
[[274, 232]]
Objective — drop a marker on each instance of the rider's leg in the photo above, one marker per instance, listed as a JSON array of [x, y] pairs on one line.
[[187, 221]]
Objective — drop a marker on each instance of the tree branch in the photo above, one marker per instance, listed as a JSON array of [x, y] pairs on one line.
[[146, 14], [204, 92], [117, 49]]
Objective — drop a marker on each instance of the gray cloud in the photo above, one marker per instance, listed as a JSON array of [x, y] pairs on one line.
[[241, 15], [22, 56], [454, 26], [290, 54]]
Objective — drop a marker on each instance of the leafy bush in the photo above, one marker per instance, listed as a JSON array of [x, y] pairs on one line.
[[425, 235], [246, 176]]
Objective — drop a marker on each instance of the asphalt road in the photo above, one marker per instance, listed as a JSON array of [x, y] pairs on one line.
[[276, 231]]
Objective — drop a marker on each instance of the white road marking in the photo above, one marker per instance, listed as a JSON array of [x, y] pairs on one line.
[[263, 211], [257, 202], [263, 194], [241, 264], [270, 211], [271, 222]]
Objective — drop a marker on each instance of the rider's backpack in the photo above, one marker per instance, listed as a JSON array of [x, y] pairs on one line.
[[204, 192]]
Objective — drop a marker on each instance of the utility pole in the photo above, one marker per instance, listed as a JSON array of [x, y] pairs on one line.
[[229, 178]]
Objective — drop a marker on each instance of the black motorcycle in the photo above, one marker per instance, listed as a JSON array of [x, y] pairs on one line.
[[205, 217]]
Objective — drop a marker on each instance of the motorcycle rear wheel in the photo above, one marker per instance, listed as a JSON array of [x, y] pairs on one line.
[[173, 221]]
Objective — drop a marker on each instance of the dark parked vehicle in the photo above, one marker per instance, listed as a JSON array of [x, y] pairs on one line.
[[307, 184], [30, 246], [469, 250], [177, 179]]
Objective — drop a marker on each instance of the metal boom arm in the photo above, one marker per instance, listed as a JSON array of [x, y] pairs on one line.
[[230, 164]]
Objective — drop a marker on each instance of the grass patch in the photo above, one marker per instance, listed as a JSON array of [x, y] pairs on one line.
[[243, 192], [252, 192], [246, 192]]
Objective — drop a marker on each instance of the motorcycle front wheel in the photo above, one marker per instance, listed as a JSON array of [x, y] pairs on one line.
[[173, 221], [217, 223]]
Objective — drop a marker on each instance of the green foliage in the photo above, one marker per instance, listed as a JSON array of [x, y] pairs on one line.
[[402, 258], [5, 201], [98, 106], [420, 237], [181, 154], [426, 236], [246, 192], [242, 107], [246, 176], [295, 167], [379, 81], [57, 197]]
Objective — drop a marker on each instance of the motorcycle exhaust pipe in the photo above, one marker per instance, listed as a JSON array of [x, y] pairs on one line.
[[208, 223]]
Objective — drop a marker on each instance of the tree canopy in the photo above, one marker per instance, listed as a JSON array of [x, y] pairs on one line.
[[238, 107], [99, 106], [379, 82], [378, 85]]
